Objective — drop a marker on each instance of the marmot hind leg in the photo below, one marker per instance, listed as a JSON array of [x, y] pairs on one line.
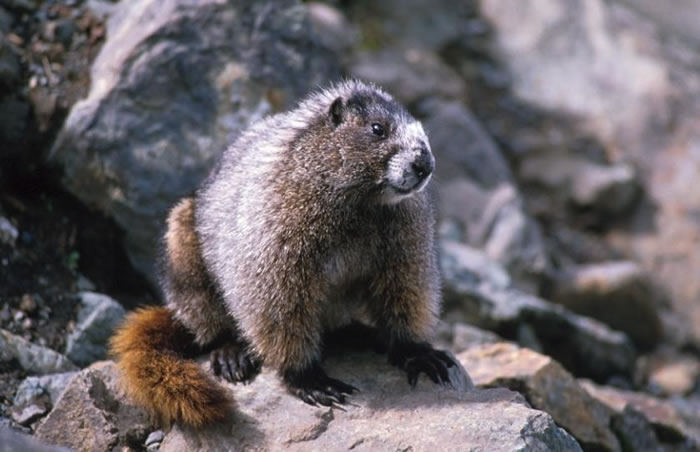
[[194, 300]]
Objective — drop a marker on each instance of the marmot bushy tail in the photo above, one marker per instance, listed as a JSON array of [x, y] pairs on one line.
[[152, 348]]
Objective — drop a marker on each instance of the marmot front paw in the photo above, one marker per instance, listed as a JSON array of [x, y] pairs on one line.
[[415, 358], [235, 363], [314, 387]]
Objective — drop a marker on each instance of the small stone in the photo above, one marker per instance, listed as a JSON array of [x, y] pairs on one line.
[[5, 314], [28, 304], [33, 387], [29, 414], [83, 284], [27, 323], [8, 233], [676, 378], [31, 357], [98, 317], [154, 439], [18, 316]]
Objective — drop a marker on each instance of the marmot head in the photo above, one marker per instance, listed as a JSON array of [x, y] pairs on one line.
[[378, 146]]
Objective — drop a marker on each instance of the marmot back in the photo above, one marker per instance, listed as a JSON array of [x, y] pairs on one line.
[[315, 220]]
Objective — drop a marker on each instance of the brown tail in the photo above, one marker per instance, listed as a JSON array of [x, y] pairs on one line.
[[149, 348]]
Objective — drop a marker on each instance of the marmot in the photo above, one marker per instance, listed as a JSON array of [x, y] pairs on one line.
[[313, 220]]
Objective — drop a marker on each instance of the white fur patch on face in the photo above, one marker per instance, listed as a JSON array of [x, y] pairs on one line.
[[401, 181], [412, 135]]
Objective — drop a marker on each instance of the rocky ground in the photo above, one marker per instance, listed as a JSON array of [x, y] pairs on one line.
[[568, 153]]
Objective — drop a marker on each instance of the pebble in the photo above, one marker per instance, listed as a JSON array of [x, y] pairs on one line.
[[29, 414], [153, 441], [8, 233], [28, 304]]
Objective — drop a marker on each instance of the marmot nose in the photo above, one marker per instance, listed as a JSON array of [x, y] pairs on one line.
[[424, 165]]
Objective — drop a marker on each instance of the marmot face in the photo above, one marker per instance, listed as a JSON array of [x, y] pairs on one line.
[[380, 145]]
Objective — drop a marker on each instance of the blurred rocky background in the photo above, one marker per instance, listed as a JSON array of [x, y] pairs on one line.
[[567, 139]]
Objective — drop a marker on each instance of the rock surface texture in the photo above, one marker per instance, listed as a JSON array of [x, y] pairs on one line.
[[387, 415]]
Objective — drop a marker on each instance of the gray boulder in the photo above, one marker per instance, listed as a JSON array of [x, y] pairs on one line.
[[174, 83], [91, 414], [98, 316]]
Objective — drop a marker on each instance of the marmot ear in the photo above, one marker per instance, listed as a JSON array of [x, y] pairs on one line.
[[337, 111]]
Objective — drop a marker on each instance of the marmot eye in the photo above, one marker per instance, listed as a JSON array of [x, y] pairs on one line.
[[378, 129]]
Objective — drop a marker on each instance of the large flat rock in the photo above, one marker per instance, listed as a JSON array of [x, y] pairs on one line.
[[386, 415]]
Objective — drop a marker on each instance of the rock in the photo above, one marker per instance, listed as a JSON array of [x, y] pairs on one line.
[[462, 147], [84, 284], [98, 316], [678, 20], [615, 74], [44, 104], [34, 387], [666, 419], [617, 293], [547, 386], [606, 189], [386, 415], [30, 413], [6, 20], [28, 304], [13, 441], [154, 439], [14, 123], [567, 56], [676, 377], [688, 408], [90, 415], [31, 357], [27, 5], [634, 431], [464, 263], [485, 203], [331, 27], [9, 63], [410, 74], [583, 345], [465, 336], [411, 23], [149, 116], [8, 233]]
